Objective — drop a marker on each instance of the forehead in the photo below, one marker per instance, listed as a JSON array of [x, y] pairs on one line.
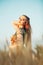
[[22, 17]]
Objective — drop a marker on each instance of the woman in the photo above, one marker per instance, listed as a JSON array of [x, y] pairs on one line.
[[23, 31], [21, 41]]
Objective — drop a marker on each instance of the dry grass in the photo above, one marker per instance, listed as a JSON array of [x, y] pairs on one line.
[[19, 55]]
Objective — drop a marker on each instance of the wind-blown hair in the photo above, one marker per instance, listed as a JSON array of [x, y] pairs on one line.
[[28, 37]]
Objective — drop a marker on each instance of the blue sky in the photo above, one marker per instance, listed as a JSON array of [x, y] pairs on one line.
[[11, 10]]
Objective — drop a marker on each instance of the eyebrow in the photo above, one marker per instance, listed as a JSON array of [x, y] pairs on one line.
[[24, 19]]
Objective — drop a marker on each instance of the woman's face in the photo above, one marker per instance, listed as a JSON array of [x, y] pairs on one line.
[[22, 19]]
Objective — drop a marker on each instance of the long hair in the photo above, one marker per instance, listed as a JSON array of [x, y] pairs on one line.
[[27, 36]]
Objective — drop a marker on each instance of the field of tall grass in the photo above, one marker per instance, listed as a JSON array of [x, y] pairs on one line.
[[21, 56], [16, 56]]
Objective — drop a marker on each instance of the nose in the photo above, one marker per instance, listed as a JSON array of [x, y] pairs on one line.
[[21, 22]]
